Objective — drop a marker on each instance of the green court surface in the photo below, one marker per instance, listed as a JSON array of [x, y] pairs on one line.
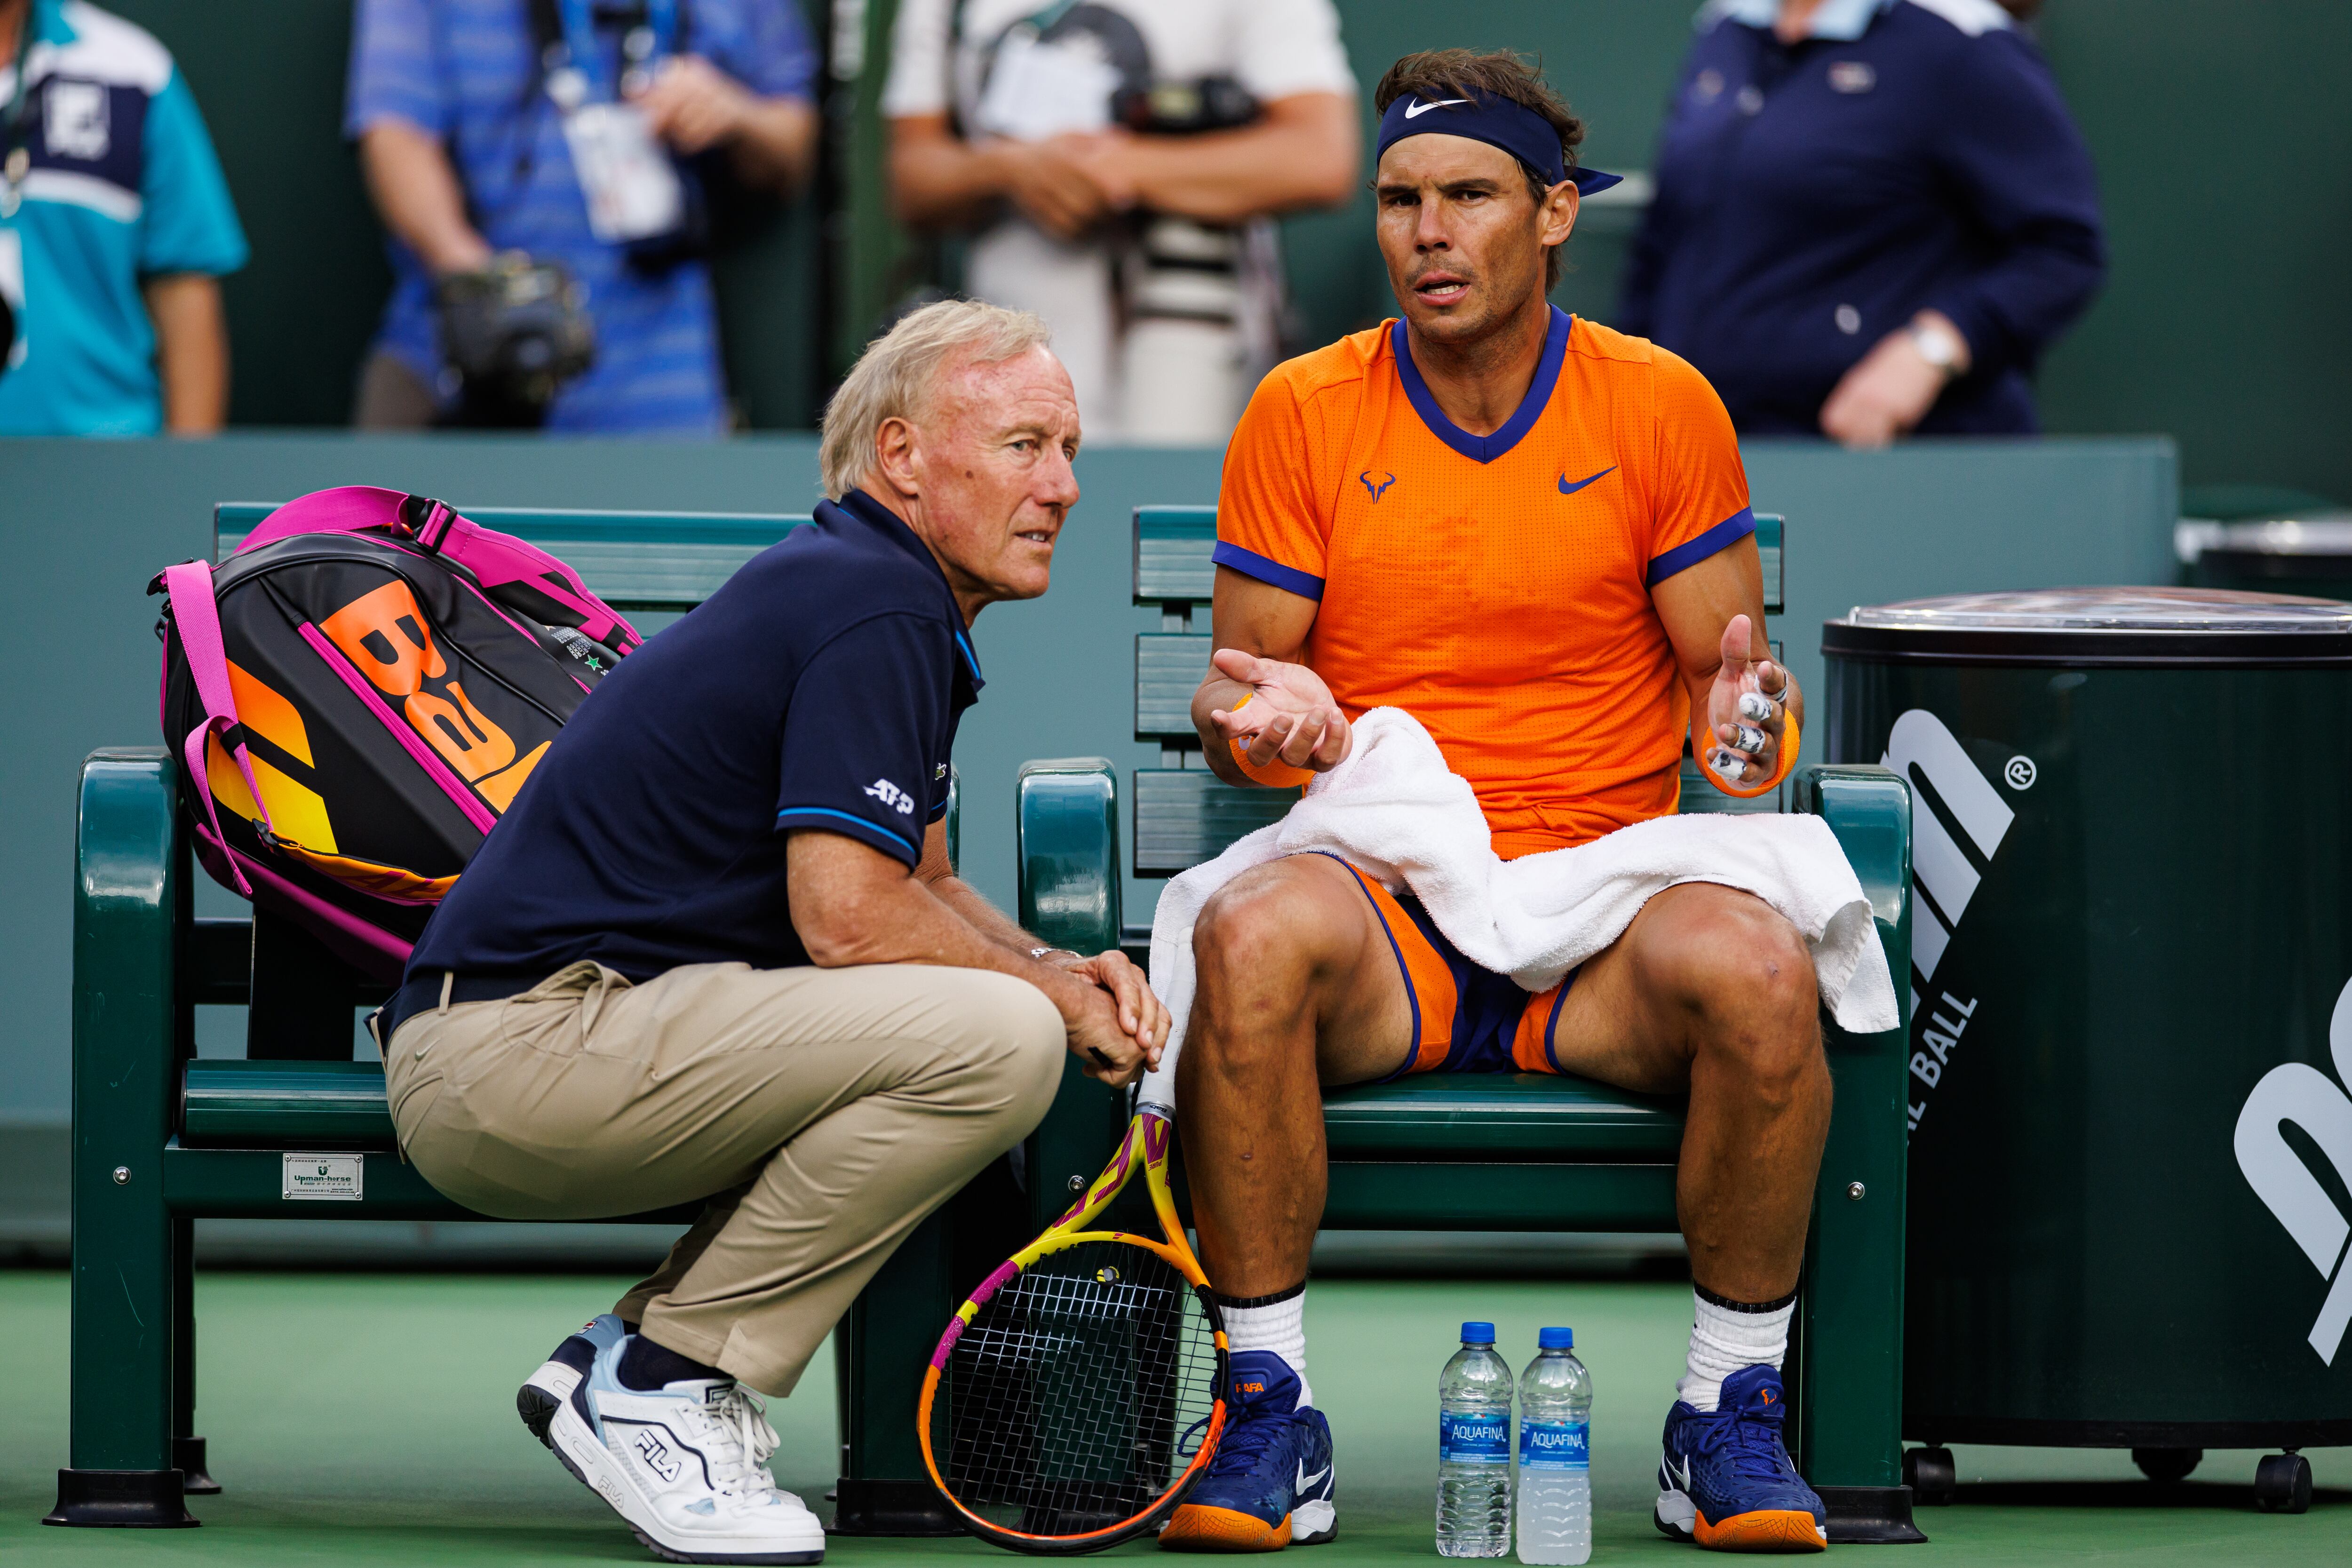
[[359, 1419]]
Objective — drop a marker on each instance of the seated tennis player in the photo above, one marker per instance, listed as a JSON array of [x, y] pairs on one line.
[[1532, 533]]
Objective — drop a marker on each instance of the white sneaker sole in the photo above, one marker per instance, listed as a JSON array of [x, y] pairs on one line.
[[548, 1390], [575, 1445]]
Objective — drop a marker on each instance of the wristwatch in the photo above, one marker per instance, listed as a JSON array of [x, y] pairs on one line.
[[1940, 346], [1037, 954]]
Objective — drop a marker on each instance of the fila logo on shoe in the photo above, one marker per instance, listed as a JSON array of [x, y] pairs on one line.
[[656, 1455]]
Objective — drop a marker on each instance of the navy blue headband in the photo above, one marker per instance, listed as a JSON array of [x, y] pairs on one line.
[[1497, 121]]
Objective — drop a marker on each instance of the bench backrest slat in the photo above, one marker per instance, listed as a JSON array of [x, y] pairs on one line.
[[634, 559], [1186, 815]]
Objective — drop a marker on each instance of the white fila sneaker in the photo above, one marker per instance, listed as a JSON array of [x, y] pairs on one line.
[[686, 1466], [537, 1400]]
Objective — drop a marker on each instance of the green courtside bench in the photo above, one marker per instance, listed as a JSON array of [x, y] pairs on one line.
[[162, 1138], [1523, 1151]]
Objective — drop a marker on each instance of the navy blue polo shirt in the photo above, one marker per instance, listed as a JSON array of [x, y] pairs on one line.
[[1812, 197], [818, 689]]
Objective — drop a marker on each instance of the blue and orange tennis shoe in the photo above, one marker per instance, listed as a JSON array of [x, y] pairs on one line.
[[1726, 1480], [1270, 1481]]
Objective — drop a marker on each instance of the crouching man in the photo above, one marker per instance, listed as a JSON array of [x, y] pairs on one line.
[[716, 953]]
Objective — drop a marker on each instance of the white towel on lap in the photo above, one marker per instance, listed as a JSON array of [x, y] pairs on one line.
[[1394, 811]]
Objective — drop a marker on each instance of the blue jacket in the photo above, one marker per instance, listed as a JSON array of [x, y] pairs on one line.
[[1812, 198]]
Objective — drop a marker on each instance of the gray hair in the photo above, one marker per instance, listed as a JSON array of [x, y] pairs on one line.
[[896, 377]]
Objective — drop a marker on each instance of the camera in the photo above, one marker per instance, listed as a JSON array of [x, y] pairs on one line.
[[1186, 108], [515, 331]]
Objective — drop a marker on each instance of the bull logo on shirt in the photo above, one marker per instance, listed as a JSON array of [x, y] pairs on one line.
[[1376, 486]]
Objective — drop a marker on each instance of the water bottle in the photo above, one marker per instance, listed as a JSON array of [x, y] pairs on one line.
[[1555, 1454], [1473, 1449]]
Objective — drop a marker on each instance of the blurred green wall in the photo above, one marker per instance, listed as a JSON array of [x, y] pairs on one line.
[[2225, 159], [2225, 164], [269, 75], [2225, 147]]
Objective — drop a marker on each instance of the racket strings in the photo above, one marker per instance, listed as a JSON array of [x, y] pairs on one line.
[[1065, 1406]]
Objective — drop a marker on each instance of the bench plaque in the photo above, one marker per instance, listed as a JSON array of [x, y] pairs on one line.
[[332, 1178]]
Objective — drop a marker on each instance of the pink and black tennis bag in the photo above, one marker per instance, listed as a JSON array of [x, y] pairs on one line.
[[357, 695]]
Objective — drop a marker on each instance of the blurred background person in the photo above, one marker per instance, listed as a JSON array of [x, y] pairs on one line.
[[1872, 216], [581, 135], [115, 226], [1120, 162]]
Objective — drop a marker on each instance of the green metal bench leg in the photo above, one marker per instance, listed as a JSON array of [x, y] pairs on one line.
[[125, 1045], [880, 1348], [1849, 1375], [187, 1450]]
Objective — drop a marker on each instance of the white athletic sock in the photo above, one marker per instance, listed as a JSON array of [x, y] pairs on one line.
[[1277, 1323], [1727, 1335]]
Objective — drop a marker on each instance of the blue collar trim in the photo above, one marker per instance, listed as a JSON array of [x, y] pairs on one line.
[[1486, 448], [880, 520]]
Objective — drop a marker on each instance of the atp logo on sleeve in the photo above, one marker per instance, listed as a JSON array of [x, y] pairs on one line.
[[891, 795]]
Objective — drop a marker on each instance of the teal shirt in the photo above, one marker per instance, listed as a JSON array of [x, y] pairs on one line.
[[123, 186]]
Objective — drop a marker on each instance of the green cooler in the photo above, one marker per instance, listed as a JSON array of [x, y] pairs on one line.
[[2131, 1135]]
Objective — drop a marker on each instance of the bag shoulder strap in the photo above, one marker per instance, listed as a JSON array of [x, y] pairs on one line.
[[196, 617]]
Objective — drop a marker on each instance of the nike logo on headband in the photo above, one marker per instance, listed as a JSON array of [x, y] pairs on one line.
[[1415, 111]]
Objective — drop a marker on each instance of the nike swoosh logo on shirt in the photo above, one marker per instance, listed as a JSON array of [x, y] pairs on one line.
[[1568, 489], [1306, 1480], [1415, 110]]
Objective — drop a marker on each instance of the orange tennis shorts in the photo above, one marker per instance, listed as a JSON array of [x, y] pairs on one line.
[[1464, 1018]]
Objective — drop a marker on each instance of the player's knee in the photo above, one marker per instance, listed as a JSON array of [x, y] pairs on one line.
[[1747, 975], [1264, 923]]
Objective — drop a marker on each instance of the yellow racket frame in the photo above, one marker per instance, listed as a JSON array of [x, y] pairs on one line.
[[1145, 1147]]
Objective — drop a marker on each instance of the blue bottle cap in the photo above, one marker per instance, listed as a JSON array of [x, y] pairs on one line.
[[1555, 1340], [1477, 1333]]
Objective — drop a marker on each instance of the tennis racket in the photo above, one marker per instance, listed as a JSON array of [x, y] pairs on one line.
[[1080, 1392]]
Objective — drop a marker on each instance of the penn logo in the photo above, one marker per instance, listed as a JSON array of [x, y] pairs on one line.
[[1957, 822], [2318, 1107]]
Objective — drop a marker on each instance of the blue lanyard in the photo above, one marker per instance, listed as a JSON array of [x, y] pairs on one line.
[[580, 39]]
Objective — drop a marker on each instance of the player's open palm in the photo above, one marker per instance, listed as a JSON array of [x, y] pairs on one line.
[[1746, 708], [1289, 715]]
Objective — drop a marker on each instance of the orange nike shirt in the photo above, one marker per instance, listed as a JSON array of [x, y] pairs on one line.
[[1497, 587]]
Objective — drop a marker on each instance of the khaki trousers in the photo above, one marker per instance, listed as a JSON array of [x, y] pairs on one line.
[[822, 1113]]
